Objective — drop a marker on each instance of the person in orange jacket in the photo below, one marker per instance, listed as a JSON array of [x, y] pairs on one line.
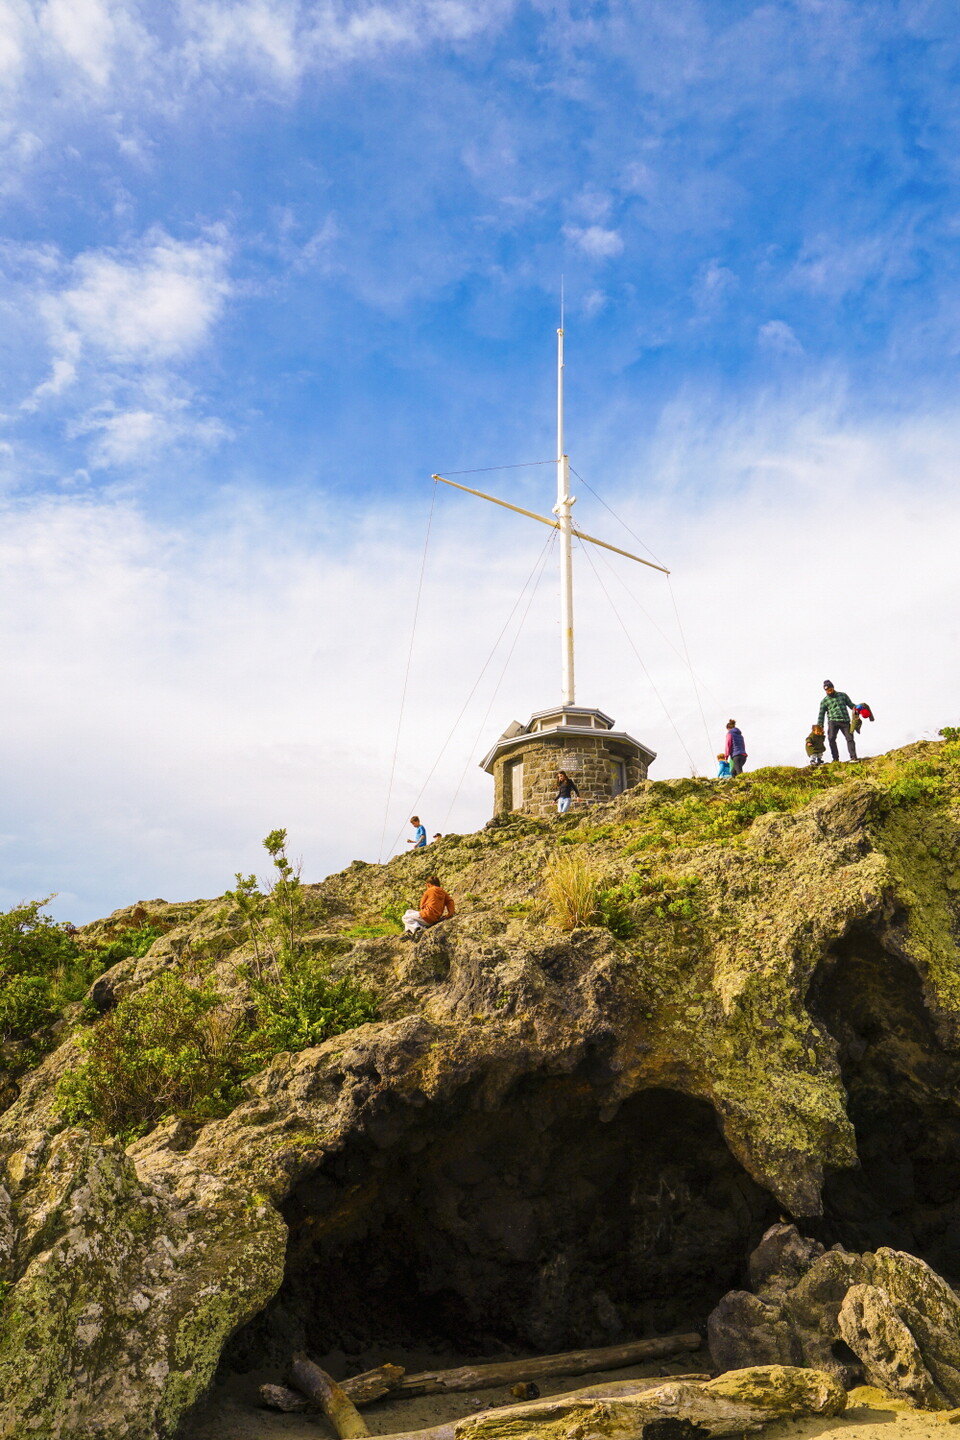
[[435, 903]]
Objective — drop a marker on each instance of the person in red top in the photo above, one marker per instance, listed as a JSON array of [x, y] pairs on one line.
[[435, 903]]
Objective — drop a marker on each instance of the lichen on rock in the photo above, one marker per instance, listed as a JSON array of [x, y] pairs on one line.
[[576, 1134]]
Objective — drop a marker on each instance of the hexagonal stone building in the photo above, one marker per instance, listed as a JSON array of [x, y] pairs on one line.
[[601, 760]]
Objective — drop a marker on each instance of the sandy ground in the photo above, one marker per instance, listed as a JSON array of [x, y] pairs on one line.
[[232, 1410]]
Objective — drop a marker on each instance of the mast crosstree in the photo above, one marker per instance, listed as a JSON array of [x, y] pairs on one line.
[[564, 524]]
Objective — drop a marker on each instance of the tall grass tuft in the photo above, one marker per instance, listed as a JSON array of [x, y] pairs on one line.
[[572, 890]]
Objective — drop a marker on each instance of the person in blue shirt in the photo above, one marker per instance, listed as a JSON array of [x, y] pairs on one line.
[[723, 768], [419, 841]]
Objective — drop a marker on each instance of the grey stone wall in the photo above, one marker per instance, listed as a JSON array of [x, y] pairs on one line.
[[587, 760]]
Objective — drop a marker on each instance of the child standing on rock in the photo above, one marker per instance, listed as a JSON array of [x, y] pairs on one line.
[[815, 744]]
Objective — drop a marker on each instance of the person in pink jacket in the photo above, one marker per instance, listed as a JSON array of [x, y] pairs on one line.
[[735, 750]]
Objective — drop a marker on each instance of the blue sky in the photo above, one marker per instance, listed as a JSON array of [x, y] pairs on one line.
[[266, 266]]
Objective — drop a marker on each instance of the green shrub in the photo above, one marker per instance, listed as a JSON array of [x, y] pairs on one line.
[[134, 940], [35, 944], [42, 967], [177, 1047], [180, 1047], [163, 1051], [616, 913], [647, 898], [910, 788], [26, 1006], [275, 917], [304, 1009]]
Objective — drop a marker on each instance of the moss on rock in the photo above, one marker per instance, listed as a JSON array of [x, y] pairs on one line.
[[128, 1270]]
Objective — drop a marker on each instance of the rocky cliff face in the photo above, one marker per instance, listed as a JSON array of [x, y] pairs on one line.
[[550, 1137]]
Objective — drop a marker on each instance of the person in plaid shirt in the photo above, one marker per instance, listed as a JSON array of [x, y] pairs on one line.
[[835, 705]]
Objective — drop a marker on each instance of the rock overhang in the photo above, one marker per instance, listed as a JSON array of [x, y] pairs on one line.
[[493, 1003]]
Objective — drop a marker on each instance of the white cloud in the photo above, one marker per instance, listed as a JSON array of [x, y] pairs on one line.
[[117, 61], [595, 241], [62, 376], [156, 301], [181, 693], [257, 33], [83, 30], [836, 266], [14, 37], [121, 437], [778, 337], [593, 205], [120, 324]]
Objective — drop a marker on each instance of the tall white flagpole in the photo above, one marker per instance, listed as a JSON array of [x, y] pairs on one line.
[[562, 512]]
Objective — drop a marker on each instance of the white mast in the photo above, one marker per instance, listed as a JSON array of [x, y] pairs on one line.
[[562, 512]]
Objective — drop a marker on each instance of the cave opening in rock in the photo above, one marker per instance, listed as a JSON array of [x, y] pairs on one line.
[[902, 1088], [535, 1226]]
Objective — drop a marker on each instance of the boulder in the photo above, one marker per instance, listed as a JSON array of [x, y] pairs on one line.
[[871, 1326], [885, 1317]]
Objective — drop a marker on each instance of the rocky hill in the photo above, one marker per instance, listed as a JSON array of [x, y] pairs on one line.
[[547, 1137]]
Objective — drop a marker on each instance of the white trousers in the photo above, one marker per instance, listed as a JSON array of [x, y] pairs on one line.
[[412, 922]]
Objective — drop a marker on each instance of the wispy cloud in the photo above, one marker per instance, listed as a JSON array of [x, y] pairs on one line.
[[778, 337], [153, 302], [595, 240], [118, 322], [198, 660]]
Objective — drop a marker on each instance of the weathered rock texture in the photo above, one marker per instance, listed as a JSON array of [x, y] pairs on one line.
[[551, 1139], [886, 1319]]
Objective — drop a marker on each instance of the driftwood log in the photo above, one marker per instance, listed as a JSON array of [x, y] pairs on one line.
[[489, 1375], [733, 1404], [361, 1389], [324, 1391], [572, 1362], [281, 1397]]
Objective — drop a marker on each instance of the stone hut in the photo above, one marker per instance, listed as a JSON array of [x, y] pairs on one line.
[[525, 760]]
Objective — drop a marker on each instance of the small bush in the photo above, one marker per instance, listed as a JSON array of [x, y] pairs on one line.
[[26, 1006], [42, 968], [133, 940], [910, 788], [305, 1009], [35, 944], [647, 899], [158, 1053], [572, 891], [179, 1047]]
